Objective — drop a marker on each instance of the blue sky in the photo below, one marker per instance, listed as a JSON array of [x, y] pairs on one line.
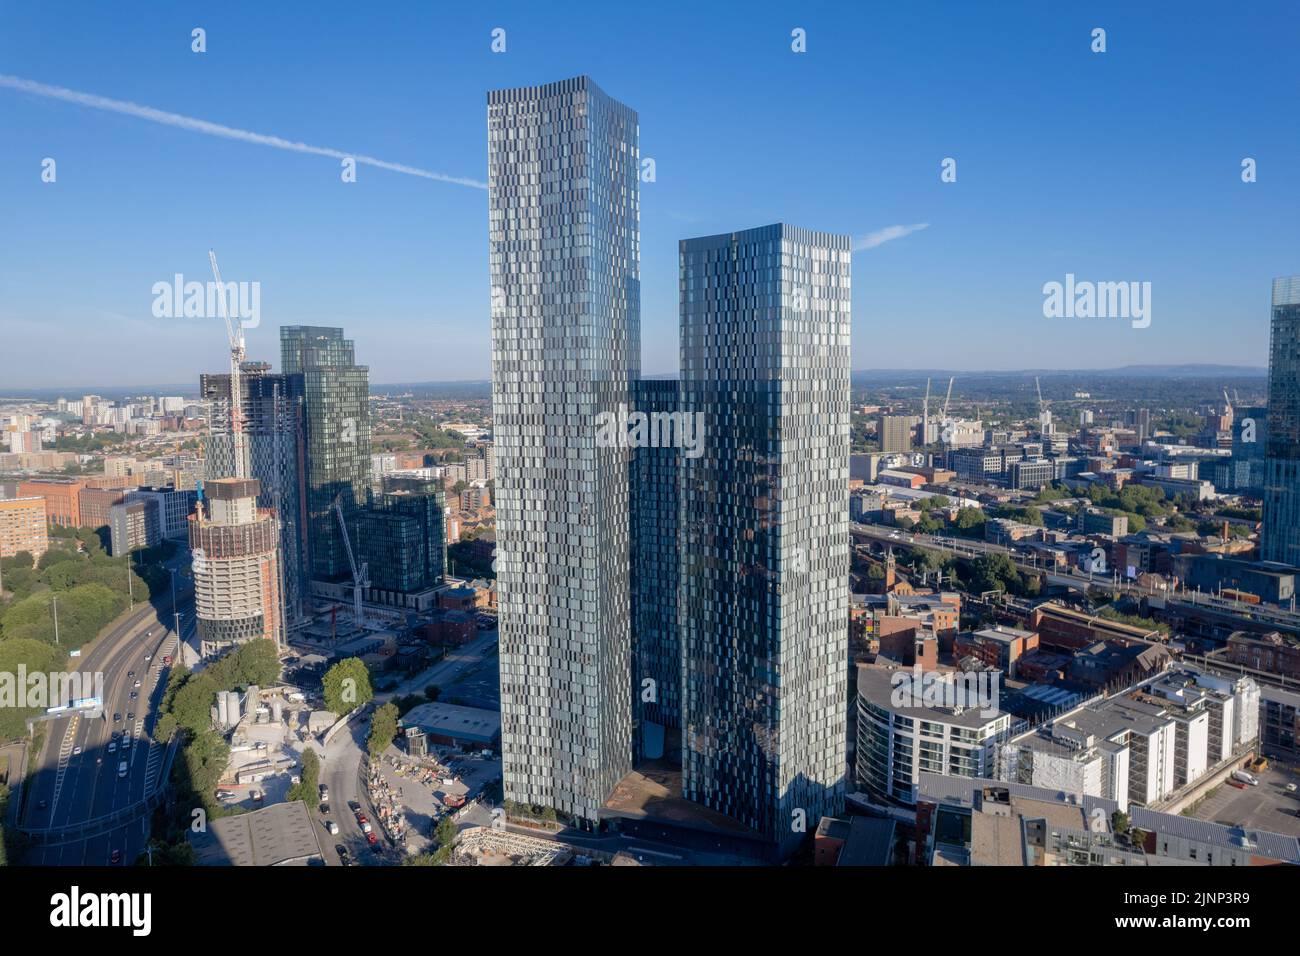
[[1116, 166]]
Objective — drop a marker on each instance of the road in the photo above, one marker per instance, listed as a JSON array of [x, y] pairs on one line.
[[342, 763], [76, 777]]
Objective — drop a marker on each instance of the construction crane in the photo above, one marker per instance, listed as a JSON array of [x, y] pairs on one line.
[[947, 400], [236, 339], [360, 576], [1227, 402]]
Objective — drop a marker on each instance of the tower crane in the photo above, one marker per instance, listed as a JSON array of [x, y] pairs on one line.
[[1044, 416], [236, 339], [360, 576]]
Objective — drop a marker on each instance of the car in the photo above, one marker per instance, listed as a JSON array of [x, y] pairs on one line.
[[117, 718], [372, 839], [362, 818], [121, 768], [137, 683], [1237, 783], [131, 674], [76, 751], [148, 658], [332, 827], [354, 806], [42, 804], [1290, 788], [324, 809], [167, 659], [344, 856], [115, 856], [367, 829], [116, 734], [130, 715], [133, 695], [112, 746], [324, 792]]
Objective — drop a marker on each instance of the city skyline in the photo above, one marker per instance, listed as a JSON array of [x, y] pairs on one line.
[[1054, 211]]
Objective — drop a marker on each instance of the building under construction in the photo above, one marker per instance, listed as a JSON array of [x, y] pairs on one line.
[[238, 583]]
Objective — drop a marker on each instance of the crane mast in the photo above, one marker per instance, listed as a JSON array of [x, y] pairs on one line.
[[236, 338]]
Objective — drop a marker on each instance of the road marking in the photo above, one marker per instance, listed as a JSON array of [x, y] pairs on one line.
[[65, 755]]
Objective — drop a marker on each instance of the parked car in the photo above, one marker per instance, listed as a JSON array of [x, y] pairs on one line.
[[367, 829], [371, 838], [117, 718], [76, 751], [115, 856], [112, 746], [130, 715], [130, 673], [344, 857], [332, 827], [121, 769], [324, 809]]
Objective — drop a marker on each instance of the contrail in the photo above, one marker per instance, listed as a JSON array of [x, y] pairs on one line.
[[216, 129]]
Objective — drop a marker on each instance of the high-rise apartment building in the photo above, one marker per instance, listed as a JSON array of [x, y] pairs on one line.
[[22, 527], [656, 646], [274, 435], [563, 194], [1280, 540], [896, 432], [764, 526], [234, 547], [336, 397], [134, 524]]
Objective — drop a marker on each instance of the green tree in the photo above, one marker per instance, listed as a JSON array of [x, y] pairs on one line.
[[308, 779], [347, 685], [383, 728]]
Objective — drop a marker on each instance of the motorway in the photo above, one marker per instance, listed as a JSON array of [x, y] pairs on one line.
[[75, 778]]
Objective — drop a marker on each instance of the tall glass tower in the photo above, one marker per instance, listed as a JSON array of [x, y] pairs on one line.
[[563, 193], [1281, 534], [336, 395], [764, 526]]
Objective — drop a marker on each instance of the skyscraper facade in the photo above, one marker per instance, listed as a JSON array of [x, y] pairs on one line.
[[563, 194], [274, 437], [656, 650], [764, 526], [336, 399], [401, 536], [1280, 540]]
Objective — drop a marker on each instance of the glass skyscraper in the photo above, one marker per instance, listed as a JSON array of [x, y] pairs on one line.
[[764, 526], [656, 650], [336, 395], [402, 538], [273, 426], [1280, 540], [563, 193]]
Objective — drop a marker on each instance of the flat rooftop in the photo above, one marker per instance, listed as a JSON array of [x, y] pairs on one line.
[[278, 835]]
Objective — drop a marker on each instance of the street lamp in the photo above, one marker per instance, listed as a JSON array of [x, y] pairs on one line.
[[55, 599]]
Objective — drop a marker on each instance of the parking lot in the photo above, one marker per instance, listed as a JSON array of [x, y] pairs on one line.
[[1268, 806]]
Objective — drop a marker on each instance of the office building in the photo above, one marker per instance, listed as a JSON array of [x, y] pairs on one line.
[[1280, 539], [174, 509], [62, 499], [275, 441], [400, 539], [764, 526], [234, 548], [336, 405], [94, 504], [563, 201], [23, 527]]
